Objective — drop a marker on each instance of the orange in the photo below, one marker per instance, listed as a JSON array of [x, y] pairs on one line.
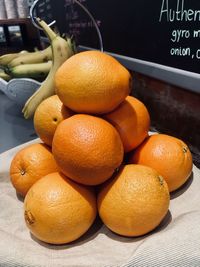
[[170, 156], [132, 121], [47, 117], [59, 211], [87, 149], [92, 82], [29, 165], [134, 202]]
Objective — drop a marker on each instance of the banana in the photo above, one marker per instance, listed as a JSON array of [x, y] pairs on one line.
[[6, 59], [4, 75], [32, 57], [39, 70], [61, 51]]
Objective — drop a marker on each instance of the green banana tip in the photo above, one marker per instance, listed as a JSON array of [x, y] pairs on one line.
[[26, 116], [38, 19]]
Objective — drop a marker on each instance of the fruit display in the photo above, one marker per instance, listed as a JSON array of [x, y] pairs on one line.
[[101, 157]]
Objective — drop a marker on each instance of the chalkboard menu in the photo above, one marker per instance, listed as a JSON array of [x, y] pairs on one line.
[[165, 32]]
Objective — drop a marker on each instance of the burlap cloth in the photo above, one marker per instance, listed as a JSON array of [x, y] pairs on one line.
[[176, 242]]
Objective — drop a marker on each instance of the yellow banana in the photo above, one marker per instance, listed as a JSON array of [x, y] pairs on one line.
[[61, 51], [39, 70], [32, 57], [6, 59], [4, 75]]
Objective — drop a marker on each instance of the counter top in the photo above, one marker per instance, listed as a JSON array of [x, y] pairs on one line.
[[14, 129]]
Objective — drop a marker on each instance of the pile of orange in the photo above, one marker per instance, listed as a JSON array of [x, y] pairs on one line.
[[87, 130]]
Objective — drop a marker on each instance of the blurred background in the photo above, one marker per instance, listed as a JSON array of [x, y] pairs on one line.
[[16, 29]]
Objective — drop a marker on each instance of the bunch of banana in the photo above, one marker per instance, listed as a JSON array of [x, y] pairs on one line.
[[26, 64], [6, 59], [62, 49], [39, 56], [36, 71]]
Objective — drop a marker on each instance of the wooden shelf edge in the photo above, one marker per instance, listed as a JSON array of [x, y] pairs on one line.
[[14, 21]]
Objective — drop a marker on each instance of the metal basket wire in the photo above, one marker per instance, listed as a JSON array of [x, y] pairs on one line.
[[34, 21]]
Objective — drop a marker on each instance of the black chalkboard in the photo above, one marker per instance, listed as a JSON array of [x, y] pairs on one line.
[[165, 32]]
